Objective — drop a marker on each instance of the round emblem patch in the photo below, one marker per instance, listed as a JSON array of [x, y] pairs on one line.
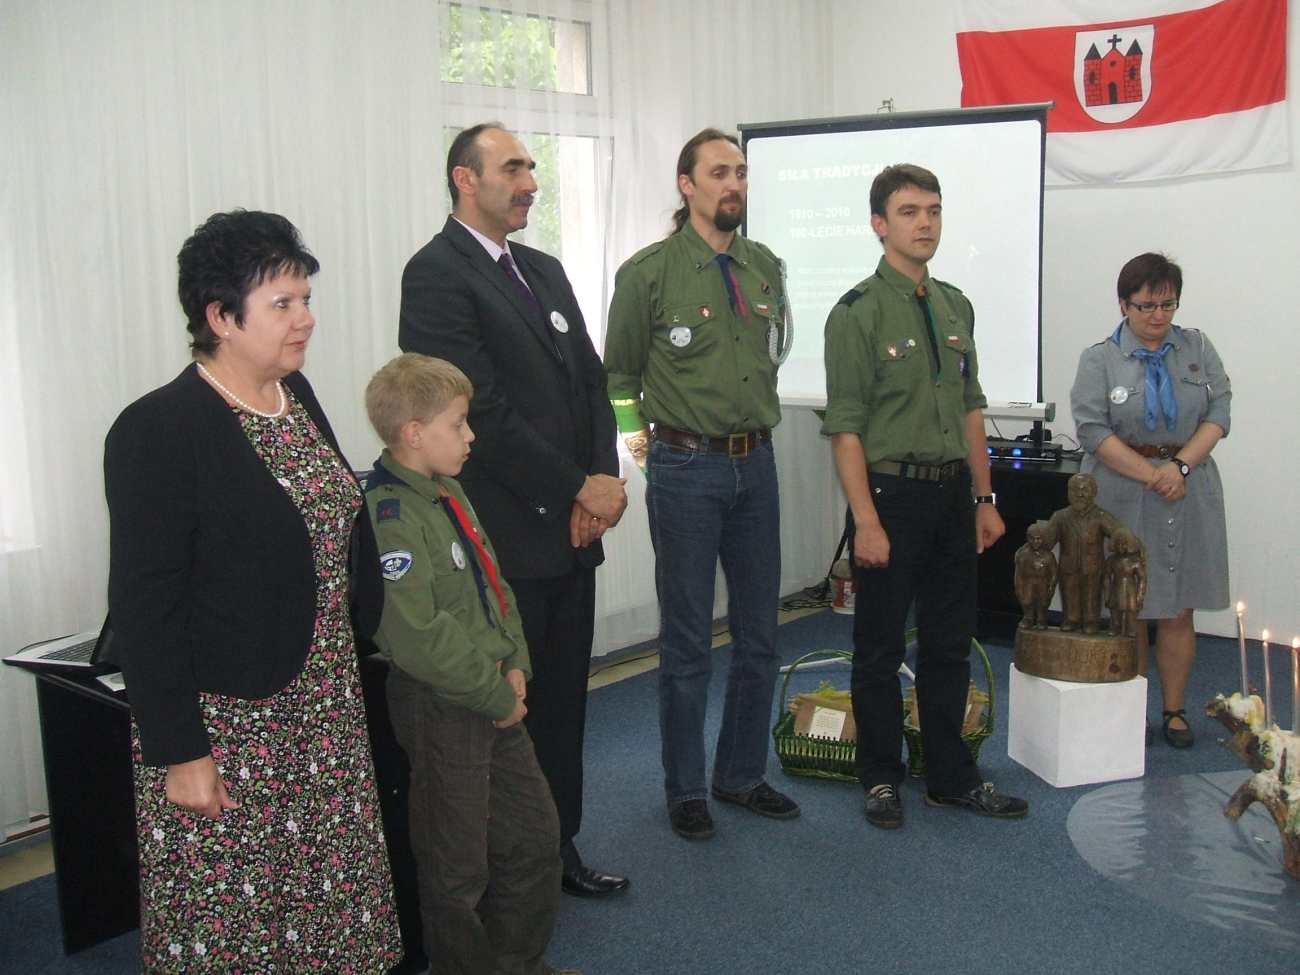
[[558, 323], [457, 555], [395, 564], [680, 336], [1119, 395]]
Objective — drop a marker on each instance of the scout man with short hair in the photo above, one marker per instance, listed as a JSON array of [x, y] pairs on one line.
[[905, 416]]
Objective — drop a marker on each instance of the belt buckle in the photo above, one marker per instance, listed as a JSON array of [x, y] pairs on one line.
[[737, 438], [1164, 452]]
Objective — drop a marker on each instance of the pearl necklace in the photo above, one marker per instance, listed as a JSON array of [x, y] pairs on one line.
[[279, 388]]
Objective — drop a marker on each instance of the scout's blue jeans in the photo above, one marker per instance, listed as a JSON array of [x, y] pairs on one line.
[[705, 506]]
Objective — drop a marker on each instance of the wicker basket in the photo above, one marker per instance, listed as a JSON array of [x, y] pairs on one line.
[[822, 758], [826, 758], [973, 739]]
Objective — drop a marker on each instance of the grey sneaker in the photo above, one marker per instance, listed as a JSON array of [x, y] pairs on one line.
[[883, 807], [762, 799]]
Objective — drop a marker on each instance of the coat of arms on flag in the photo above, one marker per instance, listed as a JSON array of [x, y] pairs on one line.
[[1112, 71], [1149, 89]]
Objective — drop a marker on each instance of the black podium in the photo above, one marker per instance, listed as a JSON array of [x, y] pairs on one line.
[[86, 740]]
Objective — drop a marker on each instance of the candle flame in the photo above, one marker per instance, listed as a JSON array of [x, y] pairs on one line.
[[1241, 607], [1264, 635]]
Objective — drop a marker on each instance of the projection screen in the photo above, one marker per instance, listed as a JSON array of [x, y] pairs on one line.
[[808, 201]]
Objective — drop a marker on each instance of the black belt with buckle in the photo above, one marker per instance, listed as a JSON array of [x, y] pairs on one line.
[[921, 472], [733, 445]]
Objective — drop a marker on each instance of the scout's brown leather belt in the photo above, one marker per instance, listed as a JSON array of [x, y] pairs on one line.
[[1162, 450], [922, 472], [733, 445]]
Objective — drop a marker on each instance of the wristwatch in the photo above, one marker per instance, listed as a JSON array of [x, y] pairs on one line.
[[986, 499], [1183, 468]]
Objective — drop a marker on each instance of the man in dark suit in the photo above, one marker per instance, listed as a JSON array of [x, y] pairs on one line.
[[543, 474]]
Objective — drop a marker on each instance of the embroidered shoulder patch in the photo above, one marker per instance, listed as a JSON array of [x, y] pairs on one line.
[[388, 509], [395, 564]]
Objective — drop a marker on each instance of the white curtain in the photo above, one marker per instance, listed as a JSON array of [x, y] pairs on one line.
[[126, 125]]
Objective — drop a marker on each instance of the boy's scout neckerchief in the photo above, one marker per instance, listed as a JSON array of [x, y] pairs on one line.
[[480, 561]]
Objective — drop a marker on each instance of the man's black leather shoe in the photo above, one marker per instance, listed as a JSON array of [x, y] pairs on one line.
[[982, 800], [584, 882], [691, 819]]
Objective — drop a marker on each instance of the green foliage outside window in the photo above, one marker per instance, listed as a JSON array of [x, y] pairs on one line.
[[506, 42], [526, 51]]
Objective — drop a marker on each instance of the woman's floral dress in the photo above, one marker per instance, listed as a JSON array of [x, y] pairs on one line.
[[297, 878]]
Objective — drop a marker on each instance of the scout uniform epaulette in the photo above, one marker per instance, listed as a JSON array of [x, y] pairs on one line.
[[648, 251], [379, 476], [854, 293], [763, 249]]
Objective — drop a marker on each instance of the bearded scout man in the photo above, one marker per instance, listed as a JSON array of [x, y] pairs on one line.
[[688, 351], [543, 474], [905, 416]]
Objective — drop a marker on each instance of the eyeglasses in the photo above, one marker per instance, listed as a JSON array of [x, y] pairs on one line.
[[1147, 307]]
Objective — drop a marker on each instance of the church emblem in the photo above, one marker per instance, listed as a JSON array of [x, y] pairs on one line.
[[1112, 71]]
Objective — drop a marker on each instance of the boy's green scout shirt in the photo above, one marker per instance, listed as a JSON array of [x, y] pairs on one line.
[[674, 339], [435, 626], [887, 382]]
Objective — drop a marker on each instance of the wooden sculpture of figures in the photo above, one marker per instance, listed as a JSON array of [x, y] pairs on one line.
[[1035, 576], [1080, 650], [1125, 582], [1082, 530]]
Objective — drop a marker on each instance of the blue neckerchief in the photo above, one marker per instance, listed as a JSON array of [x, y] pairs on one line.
[[729, 282], [1159, 387]]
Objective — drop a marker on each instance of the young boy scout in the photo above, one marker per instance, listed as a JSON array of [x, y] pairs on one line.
[[481, 814]]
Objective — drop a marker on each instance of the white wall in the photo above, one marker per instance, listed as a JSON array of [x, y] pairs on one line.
[[1237, 240], [126, 124]]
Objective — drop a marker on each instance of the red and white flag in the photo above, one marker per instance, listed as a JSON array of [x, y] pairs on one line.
[[1143, 89]]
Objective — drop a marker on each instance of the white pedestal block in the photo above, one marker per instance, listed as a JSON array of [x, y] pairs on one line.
[[1074, 734]]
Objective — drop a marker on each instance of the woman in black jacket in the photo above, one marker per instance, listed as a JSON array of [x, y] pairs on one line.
[[235, 524]]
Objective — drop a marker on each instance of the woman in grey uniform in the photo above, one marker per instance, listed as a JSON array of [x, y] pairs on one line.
[[1151, 401]]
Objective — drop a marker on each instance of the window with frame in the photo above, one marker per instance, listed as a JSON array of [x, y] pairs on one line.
[[540, 69]]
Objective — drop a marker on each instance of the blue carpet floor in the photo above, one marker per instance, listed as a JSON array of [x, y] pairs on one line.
[[949, 892], [826, 893]]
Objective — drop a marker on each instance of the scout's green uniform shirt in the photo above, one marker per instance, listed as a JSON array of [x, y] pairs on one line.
[[433, 625], [882, 379], [674, 339]]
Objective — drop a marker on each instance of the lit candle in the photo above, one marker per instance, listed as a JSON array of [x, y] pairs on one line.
[[1241, 643], [1295, 687], [1268, 684]]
